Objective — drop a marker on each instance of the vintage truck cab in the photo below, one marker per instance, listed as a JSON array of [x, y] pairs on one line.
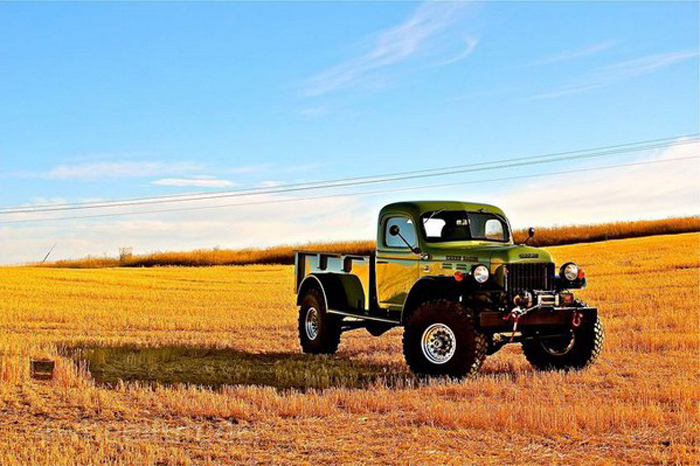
[[450, 273]]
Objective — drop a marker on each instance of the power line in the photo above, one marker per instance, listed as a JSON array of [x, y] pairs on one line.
[[364, 193], [367, 180], [628, 147]]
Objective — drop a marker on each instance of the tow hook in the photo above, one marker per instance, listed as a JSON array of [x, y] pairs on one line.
[[576, 321]]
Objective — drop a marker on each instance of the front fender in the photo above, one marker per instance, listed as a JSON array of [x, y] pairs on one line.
[[428, 288]]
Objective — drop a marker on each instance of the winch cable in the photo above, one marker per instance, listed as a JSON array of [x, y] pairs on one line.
[[515, 316]]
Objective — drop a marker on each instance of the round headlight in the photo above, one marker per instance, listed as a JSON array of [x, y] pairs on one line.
[[480, 273], [569, 271]]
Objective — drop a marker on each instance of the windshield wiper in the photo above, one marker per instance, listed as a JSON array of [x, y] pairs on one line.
[[432, 214]]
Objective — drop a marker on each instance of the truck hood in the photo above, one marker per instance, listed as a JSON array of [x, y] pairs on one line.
[[489, 253]]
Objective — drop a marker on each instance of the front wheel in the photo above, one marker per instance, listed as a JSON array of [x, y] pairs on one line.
[[440, 339], [576, 350], [319, 332]]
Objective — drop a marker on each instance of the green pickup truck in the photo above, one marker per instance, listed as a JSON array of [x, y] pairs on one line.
[[451, 275]]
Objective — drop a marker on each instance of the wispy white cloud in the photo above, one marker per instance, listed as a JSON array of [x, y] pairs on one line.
[[573, 54], [111, 169], [470, 44], [425, 32], [270, 184], [646, 64], [227, 227], [197, 182], [644, 191], [116, 169], [249, 168], [40, 200], [612, 74]]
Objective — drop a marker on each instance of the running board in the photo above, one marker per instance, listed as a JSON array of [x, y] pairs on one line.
[[361, 317]]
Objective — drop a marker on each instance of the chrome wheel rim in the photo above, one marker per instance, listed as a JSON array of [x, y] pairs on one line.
[[438, 343], [312, 323], [560, 347]]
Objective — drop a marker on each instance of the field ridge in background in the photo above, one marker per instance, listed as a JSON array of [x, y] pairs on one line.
[[284, 254]]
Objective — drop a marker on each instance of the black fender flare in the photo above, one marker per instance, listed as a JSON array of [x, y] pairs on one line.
[[429, 288], [340, 291]]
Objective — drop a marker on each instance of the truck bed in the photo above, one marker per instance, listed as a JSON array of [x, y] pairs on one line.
[[315, 262]]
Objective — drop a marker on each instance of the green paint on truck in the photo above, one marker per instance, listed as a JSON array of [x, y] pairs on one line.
[[451, 275]]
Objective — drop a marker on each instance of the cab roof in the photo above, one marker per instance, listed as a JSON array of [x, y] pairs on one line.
[[417, 208]]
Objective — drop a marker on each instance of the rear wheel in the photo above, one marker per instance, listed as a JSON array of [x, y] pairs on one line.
[[319, 332], [440, 339], [576, 350]]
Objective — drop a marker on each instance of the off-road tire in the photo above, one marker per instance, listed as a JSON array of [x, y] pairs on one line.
[[329, 326], [588, 343], [470, 345]]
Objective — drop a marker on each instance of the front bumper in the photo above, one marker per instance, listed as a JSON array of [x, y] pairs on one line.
[[543, 316]]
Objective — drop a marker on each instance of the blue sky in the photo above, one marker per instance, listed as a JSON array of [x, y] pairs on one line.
[[116, 100]]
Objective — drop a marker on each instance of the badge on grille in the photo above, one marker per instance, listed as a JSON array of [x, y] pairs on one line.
[[529, 255]]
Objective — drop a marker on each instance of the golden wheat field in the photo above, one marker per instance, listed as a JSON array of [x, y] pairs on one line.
[[177, 365]]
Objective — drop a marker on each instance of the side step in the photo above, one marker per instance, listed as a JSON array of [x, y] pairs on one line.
[[364, 317]]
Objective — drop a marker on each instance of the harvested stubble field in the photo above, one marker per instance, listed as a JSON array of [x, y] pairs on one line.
[[201, 366]]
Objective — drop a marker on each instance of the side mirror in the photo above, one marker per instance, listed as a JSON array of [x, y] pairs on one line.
[[530, 234], [394, 231]]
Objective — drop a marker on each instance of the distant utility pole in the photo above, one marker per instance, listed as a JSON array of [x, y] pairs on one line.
[[47, 254]]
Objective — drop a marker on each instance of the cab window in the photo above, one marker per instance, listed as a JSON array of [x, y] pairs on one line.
[[493, 230], [441, 226], [406, 228]]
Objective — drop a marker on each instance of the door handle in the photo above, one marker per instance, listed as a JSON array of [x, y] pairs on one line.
[[382, 262]]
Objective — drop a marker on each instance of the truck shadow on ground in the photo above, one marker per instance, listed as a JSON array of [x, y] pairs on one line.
[[214, 367]]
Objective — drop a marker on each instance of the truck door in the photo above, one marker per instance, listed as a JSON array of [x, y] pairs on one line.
[[396, 265]]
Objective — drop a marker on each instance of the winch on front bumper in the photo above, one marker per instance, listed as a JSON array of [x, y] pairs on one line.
[[546, 309], [555, 316]]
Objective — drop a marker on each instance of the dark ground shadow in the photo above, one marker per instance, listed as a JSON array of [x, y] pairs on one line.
[[216, 367]]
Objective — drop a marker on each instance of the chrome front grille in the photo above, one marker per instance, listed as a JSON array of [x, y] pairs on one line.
[[520, 277]]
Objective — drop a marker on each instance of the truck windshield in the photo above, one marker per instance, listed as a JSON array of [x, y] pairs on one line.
[[441, 226]]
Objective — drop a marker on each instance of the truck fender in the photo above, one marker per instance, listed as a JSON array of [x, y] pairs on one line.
[[425, 289], [341, 292]]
